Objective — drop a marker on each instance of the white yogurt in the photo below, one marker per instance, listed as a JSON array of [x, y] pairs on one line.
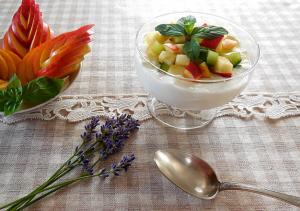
[[188, 95]]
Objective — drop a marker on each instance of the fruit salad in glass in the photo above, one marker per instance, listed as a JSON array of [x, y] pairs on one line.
[[203, 53], [191, 64]]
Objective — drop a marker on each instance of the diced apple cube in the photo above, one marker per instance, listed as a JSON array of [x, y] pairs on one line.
[[168, 41], [176, 70], [187, 74], [212, 43], [167, 57], [155, 36], [223, 65], [180, 46], [226, 45], [151, 55], [161, 38], [204, 70], [173, 48], [193, 69], [182, 59], [150, 38], [231, 37]]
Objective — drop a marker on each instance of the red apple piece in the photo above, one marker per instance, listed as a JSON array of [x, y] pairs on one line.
[[194, 70], [212, 43]]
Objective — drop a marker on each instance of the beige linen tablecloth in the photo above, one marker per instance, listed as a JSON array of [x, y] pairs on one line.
[[257, 151]]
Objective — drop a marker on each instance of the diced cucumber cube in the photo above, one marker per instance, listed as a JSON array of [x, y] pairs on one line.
[[212, 57], [164, 66], [156, 47], [234, 57]]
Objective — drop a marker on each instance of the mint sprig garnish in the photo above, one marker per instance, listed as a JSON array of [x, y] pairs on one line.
[[11, 98], [14, 83], [175, 30], [42, 89], [192, 49], [35, 92], [185, 26], [208, 32], [188, 23]]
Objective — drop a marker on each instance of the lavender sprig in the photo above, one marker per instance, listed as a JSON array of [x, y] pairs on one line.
[[114, 133], [116, 169], [97, 145], [108, 140], [90, 129], [86, 165]]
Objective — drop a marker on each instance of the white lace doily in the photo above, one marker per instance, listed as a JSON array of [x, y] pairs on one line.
[[75, 108]]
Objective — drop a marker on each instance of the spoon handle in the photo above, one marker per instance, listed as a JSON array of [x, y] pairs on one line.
[[281, 196]]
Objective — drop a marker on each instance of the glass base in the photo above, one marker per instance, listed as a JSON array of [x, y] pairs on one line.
[[179, 119]]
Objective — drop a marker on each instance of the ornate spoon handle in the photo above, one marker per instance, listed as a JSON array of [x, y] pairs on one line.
[[281, 196]]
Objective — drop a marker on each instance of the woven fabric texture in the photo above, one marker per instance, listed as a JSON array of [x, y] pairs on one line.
[[258, 152]]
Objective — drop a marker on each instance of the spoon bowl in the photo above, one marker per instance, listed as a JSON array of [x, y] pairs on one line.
[[196, 177], [190, 173]]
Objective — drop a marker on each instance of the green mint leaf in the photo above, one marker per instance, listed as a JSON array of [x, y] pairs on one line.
[[192, 49], [170, 29], [11, 97], [3, 99], [203, 53], [14, 82], [41, 90], [10, 100], [13, 103], [188, 23], [208, 32]]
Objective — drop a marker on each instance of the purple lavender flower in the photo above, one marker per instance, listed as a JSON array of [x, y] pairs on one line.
[[116, 169], [109, 140], [124, 164], [114, 133], [90, 129], [86, 165]]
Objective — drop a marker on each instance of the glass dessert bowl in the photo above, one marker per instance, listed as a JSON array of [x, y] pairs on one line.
[[186, 101]]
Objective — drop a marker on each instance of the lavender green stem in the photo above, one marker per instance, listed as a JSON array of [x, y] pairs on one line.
[[57, 175], [57, 187]]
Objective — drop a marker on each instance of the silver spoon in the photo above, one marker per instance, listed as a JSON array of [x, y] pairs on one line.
[[197, 178]]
